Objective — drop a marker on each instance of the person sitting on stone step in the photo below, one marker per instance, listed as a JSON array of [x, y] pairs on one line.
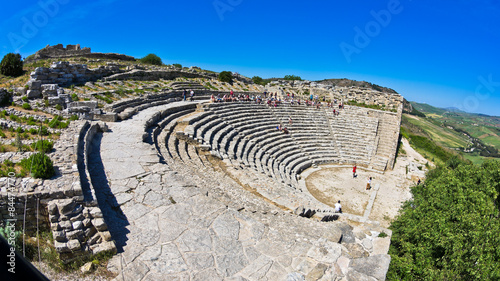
[[338, 207]]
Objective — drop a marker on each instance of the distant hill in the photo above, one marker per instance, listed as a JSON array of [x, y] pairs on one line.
[[344, 82], [476, 135], [453, 109], [428, 109]]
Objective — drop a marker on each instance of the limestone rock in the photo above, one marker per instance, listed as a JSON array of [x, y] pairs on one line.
[[59, 236], [61, 247], [375, 266], [66, 225], [356, 250], [77, 225], [317, 272], [74, 245], [295, 276], [87, 268], [65, 206], [52, 208], [95, 212], [99, 224]]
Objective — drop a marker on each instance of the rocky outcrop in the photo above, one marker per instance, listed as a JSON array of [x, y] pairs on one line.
[[59, 51]]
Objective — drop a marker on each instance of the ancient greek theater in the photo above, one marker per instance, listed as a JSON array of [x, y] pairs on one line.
[[236, 182]]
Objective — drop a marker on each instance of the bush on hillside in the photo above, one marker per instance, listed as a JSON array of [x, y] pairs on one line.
[[258, 80], [292, 77], [177, 65], [11, 65], [44, 146], [152, 59], [226, 76], [39, 165], [449, 230]]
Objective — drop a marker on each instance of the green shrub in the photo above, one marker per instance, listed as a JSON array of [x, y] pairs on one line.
[[31, 121], [57, 122], [44, 146], [11, 65], [152, 59], [104, 98], [39, 165], [58, 107], [177, 65], [44, 131], [74, 97], [292, 77], [449, 229], [26, 106], [25, 98], [14, 118], [258, 80], [18, 240], [226, 76]]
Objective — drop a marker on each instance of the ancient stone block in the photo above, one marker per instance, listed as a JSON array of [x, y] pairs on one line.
[[74, 245], [95, 212], [99, 224], [75, 234], [106, 236], [77, 225], [33, 94], [66, 225], [61, 247], [87, 222], [59, 236], [66, 206], [55, 226], [94, 239], [89, 232]]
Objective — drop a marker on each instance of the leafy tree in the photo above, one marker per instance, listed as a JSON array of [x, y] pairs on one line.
[[39, 164], [257, 80], [177, 65], [11, 65], [292, 77], [450, 229], [152, 59], [226, 76]]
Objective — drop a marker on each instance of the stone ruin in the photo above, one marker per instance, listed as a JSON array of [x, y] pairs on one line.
[[60, 205], [149, 189], [59, 51]]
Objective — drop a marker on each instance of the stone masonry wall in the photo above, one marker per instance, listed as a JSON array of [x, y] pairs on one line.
[[59, 51]]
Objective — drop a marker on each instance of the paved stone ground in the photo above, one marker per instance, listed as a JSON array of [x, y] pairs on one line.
[[167, 228]]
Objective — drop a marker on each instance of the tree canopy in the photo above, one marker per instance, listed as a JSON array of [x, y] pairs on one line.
[[152, 59], [450, 230], [226, 76], [292, 77], [11, 65]]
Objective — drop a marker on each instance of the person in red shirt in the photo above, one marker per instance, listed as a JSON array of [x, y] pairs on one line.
[[354, 171]]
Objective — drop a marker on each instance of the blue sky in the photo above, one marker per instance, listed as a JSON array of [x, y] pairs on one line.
[[444, 53]]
